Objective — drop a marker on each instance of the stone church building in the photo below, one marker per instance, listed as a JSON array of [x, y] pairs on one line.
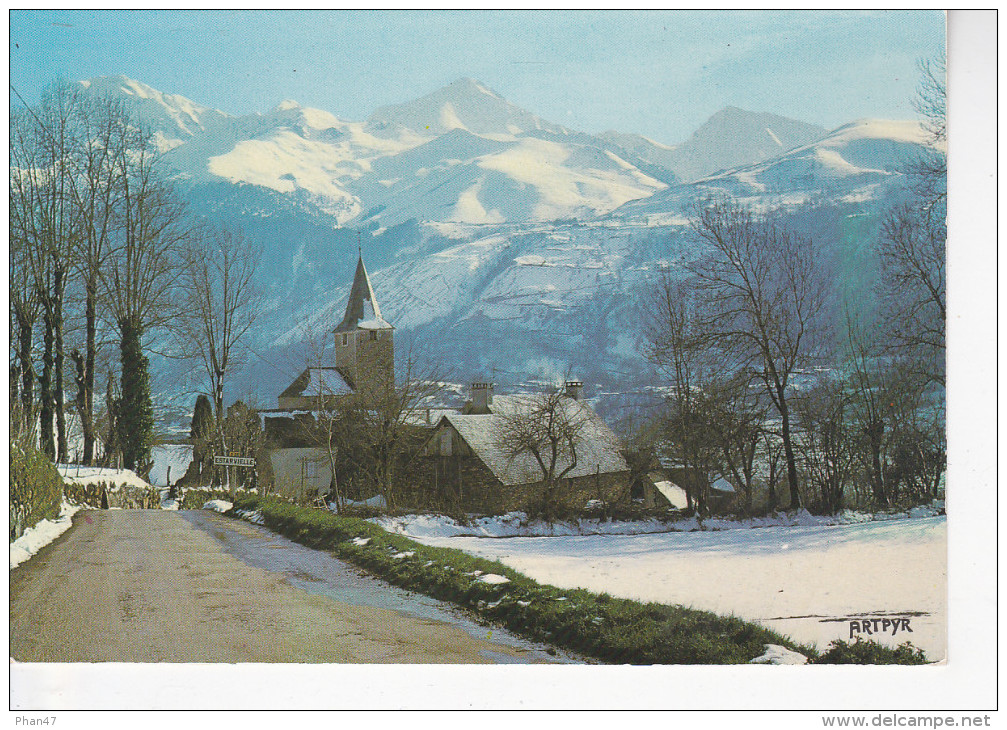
[[461, 465], [364, 365]]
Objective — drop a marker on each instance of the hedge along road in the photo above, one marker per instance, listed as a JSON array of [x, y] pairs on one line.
[[194, 586]]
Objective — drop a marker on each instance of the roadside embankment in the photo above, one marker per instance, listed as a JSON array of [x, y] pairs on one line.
[[611, 629]]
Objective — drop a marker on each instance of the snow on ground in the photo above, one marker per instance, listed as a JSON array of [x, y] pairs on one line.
[[37, 537], [377, 501], [776, 654], [97, 475], [517, 524], [173, 457], [167, 502], [218, 505], [254, 517], [806, 581]]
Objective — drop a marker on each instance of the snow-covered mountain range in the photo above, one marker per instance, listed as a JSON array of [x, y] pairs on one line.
[[504, 245]]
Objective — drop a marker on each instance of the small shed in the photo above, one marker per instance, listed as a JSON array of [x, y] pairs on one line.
[[672, 486], [301, 474]]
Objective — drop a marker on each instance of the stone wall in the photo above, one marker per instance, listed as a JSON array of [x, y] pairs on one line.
[[105, 495]]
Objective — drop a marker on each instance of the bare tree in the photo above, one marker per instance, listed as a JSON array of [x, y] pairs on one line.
[[45, 220], [24, 311], [549, 427], [826, 441], [912, 250], [874, 383], [333, 427], [221, 307], [676, 348], [918, 443], [106, 135], [737, 419], [139, 282], [387, 419], [929, 172], [773, 450], [913, 242], [761, 300]]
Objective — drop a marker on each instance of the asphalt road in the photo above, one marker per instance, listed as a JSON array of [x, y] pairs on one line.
[[160, 586]]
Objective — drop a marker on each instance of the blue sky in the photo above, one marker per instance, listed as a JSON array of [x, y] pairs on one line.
[[659, 73]]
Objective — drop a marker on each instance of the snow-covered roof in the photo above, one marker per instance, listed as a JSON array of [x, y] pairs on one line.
[[318, 381], [372, 317], [722, 485], [362, 310], [673, 493], [597, 452], [428, 416]]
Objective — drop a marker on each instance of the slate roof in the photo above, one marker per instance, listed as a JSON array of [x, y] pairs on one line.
[[362, 310], [598, 451], [318, 381]]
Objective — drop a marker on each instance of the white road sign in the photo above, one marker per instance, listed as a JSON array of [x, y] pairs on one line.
[[233, 461]]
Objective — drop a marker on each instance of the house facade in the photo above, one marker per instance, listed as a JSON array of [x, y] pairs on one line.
[[466, 464]]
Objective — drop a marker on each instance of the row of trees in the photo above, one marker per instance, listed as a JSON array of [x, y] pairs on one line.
[[103, 255], [775, 382]]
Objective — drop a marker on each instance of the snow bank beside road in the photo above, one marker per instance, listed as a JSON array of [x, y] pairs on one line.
[[37, 537], [517, 524], [218, 505]]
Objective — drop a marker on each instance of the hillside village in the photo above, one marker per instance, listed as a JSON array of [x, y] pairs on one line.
[[296, 374], [643, 418]]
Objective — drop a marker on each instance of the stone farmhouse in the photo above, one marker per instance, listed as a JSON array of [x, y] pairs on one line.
[[461, 465], [464, 465]]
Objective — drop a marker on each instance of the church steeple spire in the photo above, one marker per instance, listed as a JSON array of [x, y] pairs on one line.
[[365, 347], [362, 310]]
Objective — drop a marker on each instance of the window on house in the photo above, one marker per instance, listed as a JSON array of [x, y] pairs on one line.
[[310, 467], [345, 338], [446, 443], [374, 335]]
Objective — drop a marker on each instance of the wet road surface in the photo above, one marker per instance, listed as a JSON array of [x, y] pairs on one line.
[[194, 586]]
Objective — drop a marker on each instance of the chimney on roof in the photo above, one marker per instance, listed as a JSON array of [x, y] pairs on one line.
[[482, 397], [574, 389]]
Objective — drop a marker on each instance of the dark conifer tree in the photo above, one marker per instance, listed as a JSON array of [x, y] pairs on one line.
[[136, 417]]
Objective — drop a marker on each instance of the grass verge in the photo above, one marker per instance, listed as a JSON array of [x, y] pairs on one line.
[[614, 630]]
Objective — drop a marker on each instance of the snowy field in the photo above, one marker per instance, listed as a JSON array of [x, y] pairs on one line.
[[170, 462], [804, 581]]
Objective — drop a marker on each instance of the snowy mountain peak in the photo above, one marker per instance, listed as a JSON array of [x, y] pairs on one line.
[[471, 86], [734, 137], [171, 117], [464, 104], [286, 105]]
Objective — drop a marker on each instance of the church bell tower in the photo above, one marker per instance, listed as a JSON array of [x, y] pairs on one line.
[[365, 346]]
